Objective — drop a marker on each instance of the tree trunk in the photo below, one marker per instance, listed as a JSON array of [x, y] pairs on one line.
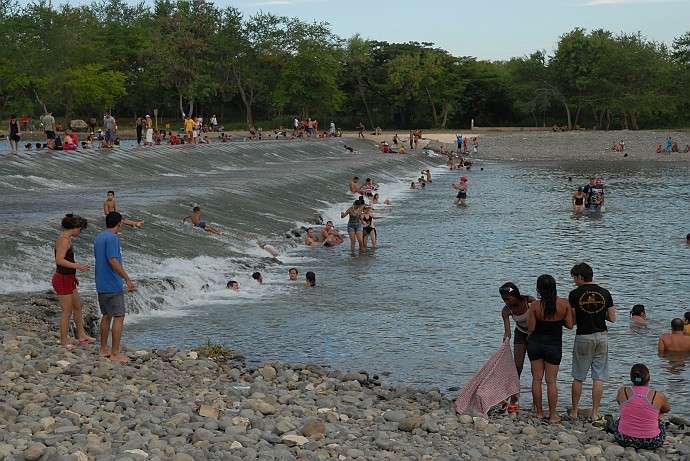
[[360, 87], [567, 112], [446, 110], [45, 110], [633, 121], [608, 120], [181, 106], [433, 107]]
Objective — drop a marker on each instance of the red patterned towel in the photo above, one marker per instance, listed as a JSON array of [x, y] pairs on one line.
[[497, 380]]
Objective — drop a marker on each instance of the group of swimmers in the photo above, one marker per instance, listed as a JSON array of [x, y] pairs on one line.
[[309, 279]]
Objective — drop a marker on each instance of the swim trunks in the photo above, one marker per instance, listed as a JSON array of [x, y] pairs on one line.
[[64, 284], [326, 244], [202, 225], [462, 195]]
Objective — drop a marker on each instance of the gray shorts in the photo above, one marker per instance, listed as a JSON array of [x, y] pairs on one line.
[[591, 352], [112, 304]]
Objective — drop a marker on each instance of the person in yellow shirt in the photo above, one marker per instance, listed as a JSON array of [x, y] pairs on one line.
[[188, 126]]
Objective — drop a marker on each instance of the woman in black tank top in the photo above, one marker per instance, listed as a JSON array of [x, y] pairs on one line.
[[65, 281]]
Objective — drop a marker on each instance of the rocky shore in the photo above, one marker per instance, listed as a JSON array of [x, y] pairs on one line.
[[180, 405]]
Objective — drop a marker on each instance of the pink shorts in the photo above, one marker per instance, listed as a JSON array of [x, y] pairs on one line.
[[64, 284]]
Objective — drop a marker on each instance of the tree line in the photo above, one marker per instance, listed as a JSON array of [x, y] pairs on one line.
[[191, 57]]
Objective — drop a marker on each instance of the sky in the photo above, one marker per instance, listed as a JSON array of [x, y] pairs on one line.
[[484, 29]]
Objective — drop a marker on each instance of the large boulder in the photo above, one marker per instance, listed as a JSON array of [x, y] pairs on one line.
[[78, 125]]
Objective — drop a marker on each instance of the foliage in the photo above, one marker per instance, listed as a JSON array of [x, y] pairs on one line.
[[213, 349], [191, 57]]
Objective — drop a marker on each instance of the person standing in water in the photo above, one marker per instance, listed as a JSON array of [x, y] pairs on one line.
[[65, 281], [354, 223], [579, 200], [15, 134], [462, 191]]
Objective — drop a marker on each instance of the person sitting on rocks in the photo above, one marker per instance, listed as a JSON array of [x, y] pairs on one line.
[[641, 424]]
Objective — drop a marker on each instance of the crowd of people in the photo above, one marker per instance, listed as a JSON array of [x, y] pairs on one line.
[[590, 197], [589, 307]]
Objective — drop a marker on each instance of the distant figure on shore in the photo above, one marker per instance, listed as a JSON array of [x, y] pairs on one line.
[[579, 200], [233, 285], [669, 144], [360, 130], [109, 206], [257, 276], [638, 314], [310, 279], [110, 275], [462, 191], [65, 281], [292, 274], [195, 217], [641, 424], [675, 341], [459, 138], [475, 146]]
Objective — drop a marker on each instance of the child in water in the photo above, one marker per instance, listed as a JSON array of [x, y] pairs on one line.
[[195, 217]]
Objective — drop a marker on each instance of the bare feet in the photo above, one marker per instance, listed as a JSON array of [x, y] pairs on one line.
[[120, 358], [555, 419], [104, 352], [138, 223]]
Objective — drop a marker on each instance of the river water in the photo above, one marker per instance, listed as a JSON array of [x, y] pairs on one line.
[[423, 309]]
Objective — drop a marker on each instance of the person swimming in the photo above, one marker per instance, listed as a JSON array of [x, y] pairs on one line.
[[638, 314]]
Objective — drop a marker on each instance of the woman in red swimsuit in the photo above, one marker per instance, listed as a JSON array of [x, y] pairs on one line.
[[65, 281]]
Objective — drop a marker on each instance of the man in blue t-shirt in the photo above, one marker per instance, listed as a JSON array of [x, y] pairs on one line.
[[109, 277]]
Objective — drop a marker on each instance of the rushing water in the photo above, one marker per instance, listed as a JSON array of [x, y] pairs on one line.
[[422, 309]]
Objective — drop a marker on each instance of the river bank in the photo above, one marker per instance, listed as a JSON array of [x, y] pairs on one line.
[[177, 405], [499, 145]]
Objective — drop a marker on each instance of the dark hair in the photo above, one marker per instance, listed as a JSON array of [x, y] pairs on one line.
[[112, 219], [546, 287], [687, 237], [13, 116], [356, 177], [72, 221], [510, 289], [579, 189], [111, 192], [256, 275], [639, 374], [677, 324], [196, 208], [687, 316], [38, 146], [637, 309], [584, 270], [231, 283], [293, 269], [311, 278]]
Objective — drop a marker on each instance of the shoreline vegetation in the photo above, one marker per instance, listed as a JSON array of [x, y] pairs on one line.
[[176, 404]]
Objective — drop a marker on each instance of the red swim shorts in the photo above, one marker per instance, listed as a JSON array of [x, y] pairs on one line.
[[64, 284]]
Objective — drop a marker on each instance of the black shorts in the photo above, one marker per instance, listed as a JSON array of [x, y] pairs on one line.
[[14, 137], [519, 337], [50, 135], [548, 352], [462, 195]]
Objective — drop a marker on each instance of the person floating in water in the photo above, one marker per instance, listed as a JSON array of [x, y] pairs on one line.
[[110, 205], [233, 285], [195, 217]]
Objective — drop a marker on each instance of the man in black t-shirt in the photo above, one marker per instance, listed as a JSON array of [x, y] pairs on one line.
[[593, 307], [588, 191]]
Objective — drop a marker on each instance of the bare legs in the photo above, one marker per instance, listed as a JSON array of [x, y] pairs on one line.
[[72, 306], [114, 351], [539, 369], [519, 352], [597, 393], [360, 240]]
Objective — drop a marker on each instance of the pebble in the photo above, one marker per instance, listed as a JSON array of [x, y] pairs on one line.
[[61, 405]]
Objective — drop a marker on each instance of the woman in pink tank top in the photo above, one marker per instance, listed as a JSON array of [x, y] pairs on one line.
[[641, 424]]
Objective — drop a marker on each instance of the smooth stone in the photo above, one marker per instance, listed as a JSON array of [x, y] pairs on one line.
[[292, 440], [408, 424], [394, 415], [34, 452], [312, 428]]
